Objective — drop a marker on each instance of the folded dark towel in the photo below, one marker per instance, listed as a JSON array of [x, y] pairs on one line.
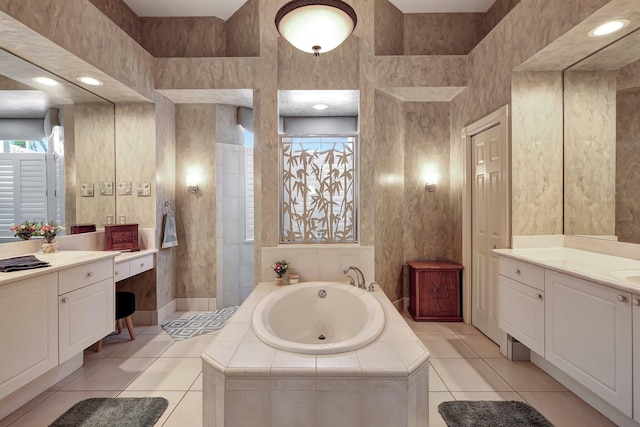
[[26, 262]]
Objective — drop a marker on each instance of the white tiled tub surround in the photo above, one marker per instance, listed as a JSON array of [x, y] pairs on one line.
[[246, 382], [322, 263]]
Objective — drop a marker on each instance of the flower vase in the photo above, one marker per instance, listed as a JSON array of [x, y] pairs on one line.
[[279, 281], [24, 236], [49, 247]]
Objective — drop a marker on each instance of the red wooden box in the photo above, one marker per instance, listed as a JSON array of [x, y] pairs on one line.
[[121, 237], [435, 291]]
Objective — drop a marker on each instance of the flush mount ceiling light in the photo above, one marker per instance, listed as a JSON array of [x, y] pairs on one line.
[[316, 26], [609, 27], [45, 81], [319, 107], [89, 81]]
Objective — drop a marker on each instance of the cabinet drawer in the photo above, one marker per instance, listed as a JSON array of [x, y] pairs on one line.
[[121, 271], [84, 275], [522, 313], [522, 272], [141, 264]]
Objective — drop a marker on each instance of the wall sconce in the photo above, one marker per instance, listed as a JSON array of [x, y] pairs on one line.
[[431, 180], [192, 182]]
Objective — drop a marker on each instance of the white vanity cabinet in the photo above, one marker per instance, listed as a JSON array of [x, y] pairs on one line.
[[588, 336], [29, 329], [522, 303], [130, 267], [636, 356]]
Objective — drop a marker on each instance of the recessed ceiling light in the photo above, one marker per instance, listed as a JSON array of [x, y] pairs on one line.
[[89, 81], [46, 81], [609, 27], [319, 107]]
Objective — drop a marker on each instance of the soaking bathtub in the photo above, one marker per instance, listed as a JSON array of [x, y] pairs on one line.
[[316, 353]]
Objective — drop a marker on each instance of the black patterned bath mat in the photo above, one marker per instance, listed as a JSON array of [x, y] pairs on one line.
[[487, 413], [200, 324], [113, 411]]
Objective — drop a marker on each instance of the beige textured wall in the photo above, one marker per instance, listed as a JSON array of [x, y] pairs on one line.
[[442, 33], [196, 212], [121, 15], [589, 151], [183, 36], [497, 11], [135, 161], [94, 160], [629, 76], [628, 166], [71, 185], [242, 31], [389, 28], [536, 152]]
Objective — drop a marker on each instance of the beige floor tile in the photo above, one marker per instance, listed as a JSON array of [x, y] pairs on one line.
[[25, 408], [447, 346], [145, 346], [171, 373], [86, 365], [110, 345], [173, 397], [468, 375], [482, 345], [110, 374], [192, 347], [487, 395], [524, 376], [154, 330], [188, 413], [565, 409], [436, 398], [462, 328], [435, 382], [183, 314], [429, 327], [197, 385], [56, 405]]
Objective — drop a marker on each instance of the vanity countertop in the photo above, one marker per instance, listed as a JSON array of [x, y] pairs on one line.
[[616, 272], [127, 256], [59, 261]]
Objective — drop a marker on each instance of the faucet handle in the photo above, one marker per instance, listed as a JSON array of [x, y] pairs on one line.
[[372, 286], [352, 281]]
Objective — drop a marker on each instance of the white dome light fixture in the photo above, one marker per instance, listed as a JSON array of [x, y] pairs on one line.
[[319, 107], [609, 27], [316, 26]]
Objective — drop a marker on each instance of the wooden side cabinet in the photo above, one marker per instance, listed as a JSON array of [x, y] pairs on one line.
[[435, 291], [121, 237]]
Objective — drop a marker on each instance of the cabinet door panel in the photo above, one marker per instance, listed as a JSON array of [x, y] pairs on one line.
[[86, 315], [636, 357], [29, 330], [522, 313], [588, 335]]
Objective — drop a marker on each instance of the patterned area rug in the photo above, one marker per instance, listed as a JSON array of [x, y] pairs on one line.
[[200, 324]]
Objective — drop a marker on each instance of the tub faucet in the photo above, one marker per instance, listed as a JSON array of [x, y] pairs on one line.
[[359, 275]]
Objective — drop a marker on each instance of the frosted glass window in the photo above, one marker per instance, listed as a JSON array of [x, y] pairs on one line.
[[318, 179]]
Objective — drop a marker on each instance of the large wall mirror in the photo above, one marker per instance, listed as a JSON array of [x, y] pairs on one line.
[[57, 159], [602, 143]]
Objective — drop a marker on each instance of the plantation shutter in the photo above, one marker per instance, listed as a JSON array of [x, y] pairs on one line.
[[7, 194], [250, 210]]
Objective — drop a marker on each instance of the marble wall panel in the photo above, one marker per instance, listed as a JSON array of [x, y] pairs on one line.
[[242, 31], [71, 190], [389, 194], [196, 212], [589, 152], [497, 11], [442, 33], [74, 37], [188, 37], [628, 166], [121, 15], [165, 153], [211, 73], [629, 76], [536, 152], [136, 161], [337, 69], [421, 71], [427, 219], [94, 137], [228, 131], [389, 28]]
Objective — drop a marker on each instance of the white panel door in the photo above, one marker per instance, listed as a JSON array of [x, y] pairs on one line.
[[29, 330], [86, 315], [636, 357], [490, 225], [588, 335]]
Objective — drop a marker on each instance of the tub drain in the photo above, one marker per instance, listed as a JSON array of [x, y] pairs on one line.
[[322, 337]]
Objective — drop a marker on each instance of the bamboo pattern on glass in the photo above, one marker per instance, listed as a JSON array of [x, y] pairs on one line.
[[318, 179]]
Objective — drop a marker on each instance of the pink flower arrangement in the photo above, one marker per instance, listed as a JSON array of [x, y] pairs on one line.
[[280, 267], [49, 230], [24, 230]]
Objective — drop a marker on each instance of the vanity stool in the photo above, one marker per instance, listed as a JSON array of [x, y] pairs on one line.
[[125, 307]]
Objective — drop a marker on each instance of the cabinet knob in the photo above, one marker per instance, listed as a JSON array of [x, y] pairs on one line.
[[517, 270], [90, 274], [141, 264], [539, 296], [636, 301], [117, 273], [622, 298], [65, 300]]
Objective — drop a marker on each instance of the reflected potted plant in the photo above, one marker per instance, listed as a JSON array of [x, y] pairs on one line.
[[49, 231], [280, 268], [24, 230]]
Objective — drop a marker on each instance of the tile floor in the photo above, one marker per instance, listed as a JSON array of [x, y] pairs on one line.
[[465, 365]]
